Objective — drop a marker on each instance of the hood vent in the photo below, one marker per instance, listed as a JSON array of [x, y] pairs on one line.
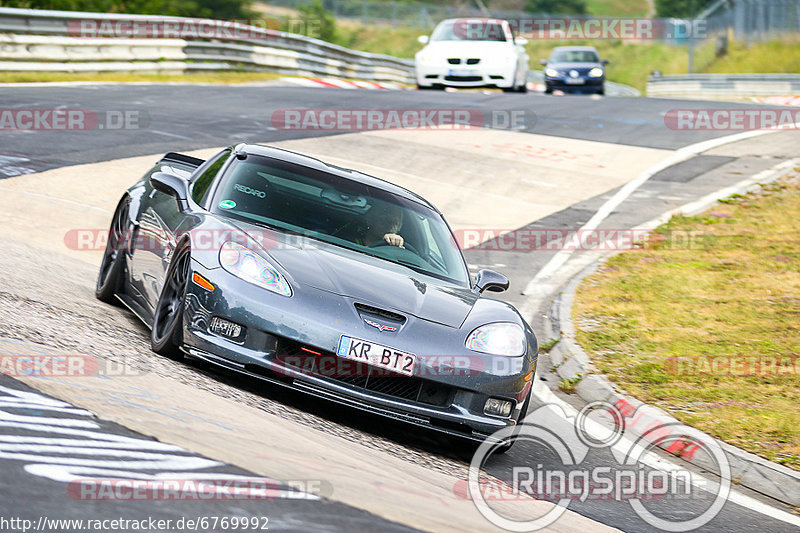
[[383, 313]]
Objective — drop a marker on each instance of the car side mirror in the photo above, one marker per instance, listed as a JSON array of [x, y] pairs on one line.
[[172, 185], [605, 62], [422, 39], [543, 62], [489, 280], [522, 41]]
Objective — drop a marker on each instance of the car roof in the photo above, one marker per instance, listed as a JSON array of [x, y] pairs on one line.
[[479, 19], [346, 173], [576, 48]]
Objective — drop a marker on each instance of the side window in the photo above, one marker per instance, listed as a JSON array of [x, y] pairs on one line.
[[204, 181], [433, 246]]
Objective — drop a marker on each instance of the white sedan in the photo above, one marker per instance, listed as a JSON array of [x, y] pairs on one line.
[[472, 53]]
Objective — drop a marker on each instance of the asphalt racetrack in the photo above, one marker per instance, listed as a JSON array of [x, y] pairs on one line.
[[327, 468]]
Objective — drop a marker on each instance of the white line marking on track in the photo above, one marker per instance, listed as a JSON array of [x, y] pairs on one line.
[[682, 154], [659, 462], [158, 132]]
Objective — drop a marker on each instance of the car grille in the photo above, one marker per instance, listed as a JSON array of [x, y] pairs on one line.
[[463, 78], [473, 61], [404, 387], [454, 61], [365, 377]]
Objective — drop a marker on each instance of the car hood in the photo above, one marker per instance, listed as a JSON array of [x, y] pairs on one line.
[[466, 48], [567, 66], [368, 279]]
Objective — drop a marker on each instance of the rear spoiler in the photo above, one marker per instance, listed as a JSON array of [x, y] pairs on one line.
[[175, 157]]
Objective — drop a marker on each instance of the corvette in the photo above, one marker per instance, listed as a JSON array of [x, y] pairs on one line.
[[260, 260]]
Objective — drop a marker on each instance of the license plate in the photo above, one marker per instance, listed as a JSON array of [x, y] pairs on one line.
[[575, 81], [376, 355], [461, 72]]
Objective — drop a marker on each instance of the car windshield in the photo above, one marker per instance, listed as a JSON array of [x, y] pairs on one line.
[[468, 30], [574, 56], [320, 205]]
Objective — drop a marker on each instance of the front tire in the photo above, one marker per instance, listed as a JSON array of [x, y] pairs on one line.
[[112, 268], [166, 337]]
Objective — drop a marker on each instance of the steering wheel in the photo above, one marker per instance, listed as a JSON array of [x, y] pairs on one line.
[[406, 246]]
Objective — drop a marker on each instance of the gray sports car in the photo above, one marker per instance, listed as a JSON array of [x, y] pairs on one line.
[[322, 279]]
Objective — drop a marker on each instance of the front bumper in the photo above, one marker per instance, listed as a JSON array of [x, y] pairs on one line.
[[283, 332], [560, 83], [451, 76]]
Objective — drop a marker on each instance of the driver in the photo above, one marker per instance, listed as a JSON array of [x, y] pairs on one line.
[[382, 225]]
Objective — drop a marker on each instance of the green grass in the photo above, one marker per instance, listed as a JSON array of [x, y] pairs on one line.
[[709, 331], [397, 41], [569, 385], [782, 57], [618, 8]]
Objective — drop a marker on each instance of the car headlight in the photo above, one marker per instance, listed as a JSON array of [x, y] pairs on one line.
[[427, 60], [500, 338], [551, 72], [246, 264], [596, 72]]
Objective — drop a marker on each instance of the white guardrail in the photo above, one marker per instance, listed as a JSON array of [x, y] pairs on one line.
[[39, 40], [723, 86]]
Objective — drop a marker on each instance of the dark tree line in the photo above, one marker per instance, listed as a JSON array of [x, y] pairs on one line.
[[664, 8], [219, 9]]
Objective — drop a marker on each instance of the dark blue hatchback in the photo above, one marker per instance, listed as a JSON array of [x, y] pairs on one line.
[[575, 69]]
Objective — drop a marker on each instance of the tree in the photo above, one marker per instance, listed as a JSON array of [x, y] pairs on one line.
[[680, 9], [556, 7], [317, 21], [218, 9]]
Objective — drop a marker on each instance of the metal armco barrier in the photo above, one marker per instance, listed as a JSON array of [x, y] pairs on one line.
[[38, 40], [723, 86]]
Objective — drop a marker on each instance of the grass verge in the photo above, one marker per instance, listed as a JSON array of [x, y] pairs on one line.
[[704, 321]]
